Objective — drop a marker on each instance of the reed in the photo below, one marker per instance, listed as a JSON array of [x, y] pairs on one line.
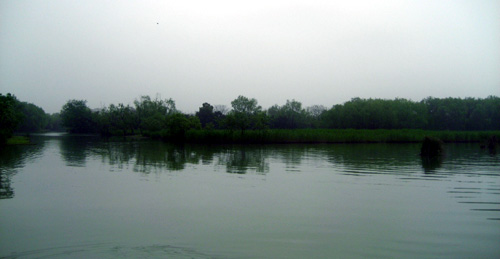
[[333, 136], [18, 140]]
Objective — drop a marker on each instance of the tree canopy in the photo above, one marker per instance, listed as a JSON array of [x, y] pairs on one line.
[[77, 117], [289, 116], [209, 117], [34, 118], [159, 117], [246, 114], [10, 117]]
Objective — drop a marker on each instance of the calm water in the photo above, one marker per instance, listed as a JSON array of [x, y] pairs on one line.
[[81, 197]]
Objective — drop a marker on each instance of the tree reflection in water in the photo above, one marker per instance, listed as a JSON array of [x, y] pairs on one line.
[[368, 159], [149, 156], [244, 158], [431, 163], [74, 149], [155, 156], [12, 158], [6, 192], [293, 156]]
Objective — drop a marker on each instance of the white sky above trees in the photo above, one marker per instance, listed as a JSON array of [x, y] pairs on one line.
[[317, 52]]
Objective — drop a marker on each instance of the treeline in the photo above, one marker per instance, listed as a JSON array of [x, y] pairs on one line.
[[159, 117], [17, 116], [430, 113]]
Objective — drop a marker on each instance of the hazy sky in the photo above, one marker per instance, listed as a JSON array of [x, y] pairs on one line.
[[317, 52]]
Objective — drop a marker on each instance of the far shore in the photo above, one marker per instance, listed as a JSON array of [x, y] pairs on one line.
[[305, 136]]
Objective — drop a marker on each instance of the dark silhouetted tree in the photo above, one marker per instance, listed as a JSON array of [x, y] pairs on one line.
[[246, 114], [206, 114], [54, 123], [9, 116], [315, 115], [210, 117], [35, 119], [152, 114], [289, 116], [77, 117]]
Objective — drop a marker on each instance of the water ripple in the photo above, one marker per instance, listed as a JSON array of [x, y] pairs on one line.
[[107, 250]]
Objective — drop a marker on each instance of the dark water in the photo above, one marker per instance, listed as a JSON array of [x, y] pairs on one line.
[[81, 197]]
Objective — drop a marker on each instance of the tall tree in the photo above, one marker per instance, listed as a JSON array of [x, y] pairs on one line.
[[206, 114], [54, 123], [289, 116], [152, 114], [9, 116], [35, 119], [246, 114], [315, 115], [77, 117], [209, 116]]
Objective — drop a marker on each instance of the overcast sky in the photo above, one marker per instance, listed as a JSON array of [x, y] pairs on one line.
[[317, 52]]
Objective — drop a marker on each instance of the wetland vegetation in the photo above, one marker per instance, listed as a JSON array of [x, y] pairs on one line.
[[358, 120]]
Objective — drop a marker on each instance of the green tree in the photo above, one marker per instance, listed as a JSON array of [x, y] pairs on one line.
[[206, 114], [151, 115], [153, 123], [314, 115], [177, 126], [9, 116], [121, 119], [376, 114], [209, 116], [409, 115], [103, 120], [77, 117], [194, 122], [54, 123], [246, 114], [447, 113], [34, 118], [289, 116], [492, 104]]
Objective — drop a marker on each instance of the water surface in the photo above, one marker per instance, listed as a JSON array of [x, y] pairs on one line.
[[83, 197]]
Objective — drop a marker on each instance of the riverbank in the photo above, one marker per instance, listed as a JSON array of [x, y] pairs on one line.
[[18, 140], [291, 136], [333, 136]]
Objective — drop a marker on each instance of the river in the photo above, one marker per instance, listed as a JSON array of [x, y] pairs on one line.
[[84, 197]]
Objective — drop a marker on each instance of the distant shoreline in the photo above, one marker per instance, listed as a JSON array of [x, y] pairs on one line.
[[301, 136], [284, 136]]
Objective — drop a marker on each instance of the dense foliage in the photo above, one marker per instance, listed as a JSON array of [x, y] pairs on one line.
[[34, 118], [159, 118], [23, 117], [289, 116], [9, 116], [77, 117], [209, 117], [246, 114]]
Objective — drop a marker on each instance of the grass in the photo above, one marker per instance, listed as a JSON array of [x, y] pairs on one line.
[[18, 140], [333, 136]]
